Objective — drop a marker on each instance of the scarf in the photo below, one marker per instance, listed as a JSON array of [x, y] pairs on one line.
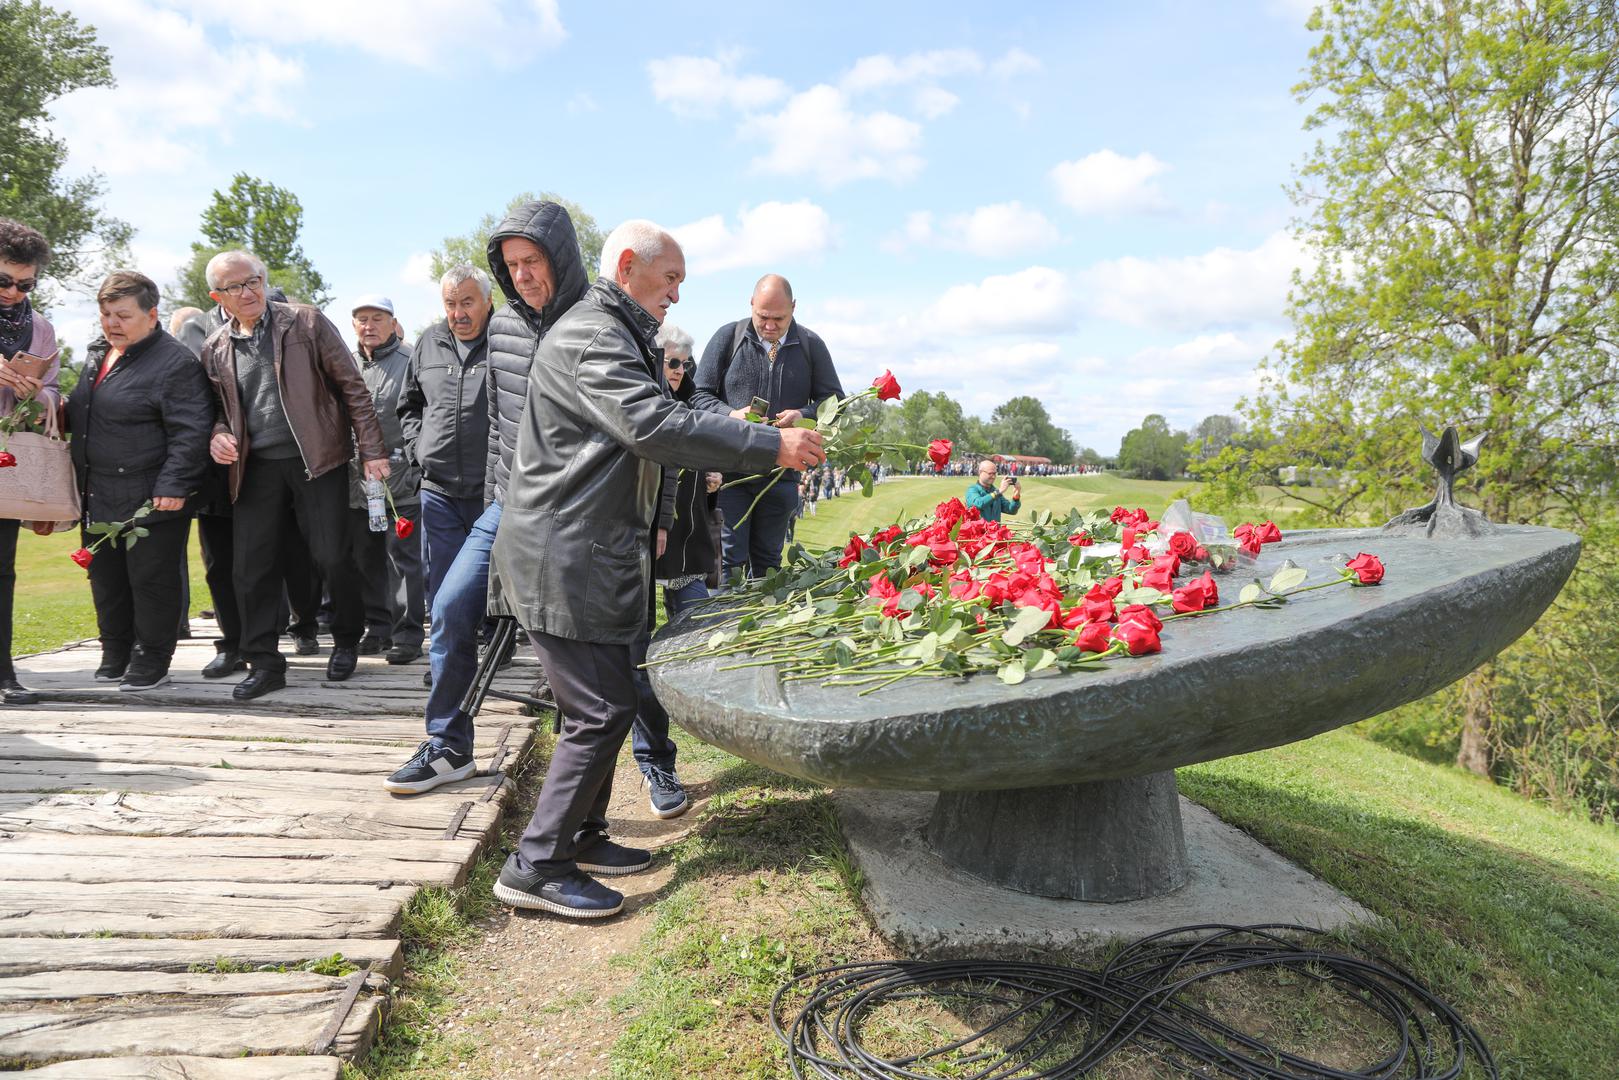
[[16, 327]]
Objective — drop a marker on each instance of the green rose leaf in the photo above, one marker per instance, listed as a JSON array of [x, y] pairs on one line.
[[1039, 659], [1013, 673], [1251, 593], [1029, 620], [1288, 577]]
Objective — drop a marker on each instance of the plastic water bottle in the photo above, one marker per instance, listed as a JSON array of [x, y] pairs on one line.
[[376, 506]]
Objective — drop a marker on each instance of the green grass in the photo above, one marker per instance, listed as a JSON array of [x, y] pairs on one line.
[[53, 605], [1506, 909], [906, 497]]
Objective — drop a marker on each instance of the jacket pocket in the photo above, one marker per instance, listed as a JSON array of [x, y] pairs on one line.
[[615, 589]]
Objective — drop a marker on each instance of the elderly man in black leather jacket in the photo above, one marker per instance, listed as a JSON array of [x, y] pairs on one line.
[[574, 549]]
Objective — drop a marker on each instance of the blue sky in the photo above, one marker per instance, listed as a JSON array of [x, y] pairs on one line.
[[1080, 201]]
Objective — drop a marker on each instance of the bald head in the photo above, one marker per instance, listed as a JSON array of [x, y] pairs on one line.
[[773, 305]]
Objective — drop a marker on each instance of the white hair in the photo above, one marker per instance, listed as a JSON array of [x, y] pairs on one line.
[[646, 239], [455, 275], [217, 264], [672, 339]]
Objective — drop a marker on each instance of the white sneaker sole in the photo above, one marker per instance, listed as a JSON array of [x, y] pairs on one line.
[[129, 688], [611, 871], [416, 788], [519, 899], [685, 804]]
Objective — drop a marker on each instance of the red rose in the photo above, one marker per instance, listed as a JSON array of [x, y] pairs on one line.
[[1098, 609], [1094, 637], [84, 557], [851, 553], [403, 527], [888, 535], [1368, 568], [1190, 597], [1269, 533], [1066, 618], [881, 587], [1201, 554], [1113, 586], [949, 512], [1143, 614], [1119, 514], [944, 553], [1135, 554], [1183, 544], [939, 452], [1127, 537], [7, 459], [1158, 578], [963, 586], [887, 386], [1211, 591], [1139, 638], [1080, 539], [1171, 562]]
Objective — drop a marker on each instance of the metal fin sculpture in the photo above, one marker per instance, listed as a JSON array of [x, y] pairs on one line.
[[1443, 517]]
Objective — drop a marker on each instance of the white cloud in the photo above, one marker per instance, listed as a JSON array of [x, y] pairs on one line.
[[1029, 301], [1108, 183], [191, 83], [1014, 62], [698, 85], [996, 231], [582, 102], [1222, 287], [767, 235], [934, 101], [882, 70], [817, 133], [417, 32]]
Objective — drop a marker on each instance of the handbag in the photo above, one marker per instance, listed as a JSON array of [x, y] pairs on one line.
[[41, 486]]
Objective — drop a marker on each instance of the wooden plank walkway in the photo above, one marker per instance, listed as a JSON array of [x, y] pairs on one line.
[[171, 863]]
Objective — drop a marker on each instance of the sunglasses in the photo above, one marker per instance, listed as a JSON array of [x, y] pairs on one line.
[[8, 282], [680, 365]]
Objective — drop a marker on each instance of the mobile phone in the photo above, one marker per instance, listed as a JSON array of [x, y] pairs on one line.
[[760, 406], [30, 365]]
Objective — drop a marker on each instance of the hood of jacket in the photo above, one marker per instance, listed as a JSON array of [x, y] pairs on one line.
[[548, 225]]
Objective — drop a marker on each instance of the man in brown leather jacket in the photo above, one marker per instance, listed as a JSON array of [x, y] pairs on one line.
[[290, 405]]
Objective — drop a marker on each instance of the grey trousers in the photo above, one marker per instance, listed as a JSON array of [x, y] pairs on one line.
[[595, 691], [393, 589]]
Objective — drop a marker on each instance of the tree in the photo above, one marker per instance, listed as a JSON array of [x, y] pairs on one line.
[[1213, 434], [473, 247], [1464, 205], [1022, 426], [257, 216], [48, 54], [1152, 451]]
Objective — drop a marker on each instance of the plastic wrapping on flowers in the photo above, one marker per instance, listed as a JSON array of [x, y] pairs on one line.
[[954, 595]]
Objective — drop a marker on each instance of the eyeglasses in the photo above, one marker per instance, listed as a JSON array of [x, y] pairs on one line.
[[252, 284], [680, 365], [8, 282]]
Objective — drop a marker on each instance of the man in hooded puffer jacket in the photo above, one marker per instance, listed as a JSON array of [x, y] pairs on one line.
[[534, 255]]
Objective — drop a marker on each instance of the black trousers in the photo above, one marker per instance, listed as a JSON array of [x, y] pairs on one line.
[[274, 492], [302, 578], [392, 583], [595, 692], [136, 591], [8, 591]]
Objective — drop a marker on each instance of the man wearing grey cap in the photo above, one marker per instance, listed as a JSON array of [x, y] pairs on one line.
[[391, 564]]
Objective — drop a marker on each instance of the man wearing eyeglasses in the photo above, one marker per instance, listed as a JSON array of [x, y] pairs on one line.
[[290, 407]]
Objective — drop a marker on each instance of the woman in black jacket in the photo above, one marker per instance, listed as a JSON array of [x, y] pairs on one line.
[[686, 554], [141, 417]]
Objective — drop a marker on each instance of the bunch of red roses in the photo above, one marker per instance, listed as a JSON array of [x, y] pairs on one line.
[[954, 594]]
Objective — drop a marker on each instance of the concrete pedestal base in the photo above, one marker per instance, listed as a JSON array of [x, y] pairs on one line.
[[929, 908], [1105, 842]]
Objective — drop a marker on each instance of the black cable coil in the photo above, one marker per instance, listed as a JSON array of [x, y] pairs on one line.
[[1054, 1022]]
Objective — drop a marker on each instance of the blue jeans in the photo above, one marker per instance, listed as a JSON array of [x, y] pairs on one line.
[[677, 600], [459, 609], [446, 524], [756, 543]]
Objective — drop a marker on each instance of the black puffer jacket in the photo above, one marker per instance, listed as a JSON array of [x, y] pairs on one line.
[[143, 433], [515, 328]]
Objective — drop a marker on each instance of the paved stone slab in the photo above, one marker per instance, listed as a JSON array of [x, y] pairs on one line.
[[279, 1067], [929, 909], [29, 956]]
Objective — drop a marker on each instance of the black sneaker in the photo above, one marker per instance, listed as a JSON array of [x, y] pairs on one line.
[[605, 857], [667, 793], [431, 766], [427, 678], [403, 654], [575, 894], [112, 668], [144, 677], [370, 645]]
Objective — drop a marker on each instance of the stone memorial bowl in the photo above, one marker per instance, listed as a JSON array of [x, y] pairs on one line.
[[1064, 785]]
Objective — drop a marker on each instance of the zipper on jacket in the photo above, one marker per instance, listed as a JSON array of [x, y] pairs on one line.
[[275, 359]]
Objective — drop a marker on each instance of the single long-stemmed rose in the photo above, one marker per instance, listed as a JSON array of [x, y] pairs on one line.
[[853, 446], [403, 526], [110, 531], [27, 415]]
